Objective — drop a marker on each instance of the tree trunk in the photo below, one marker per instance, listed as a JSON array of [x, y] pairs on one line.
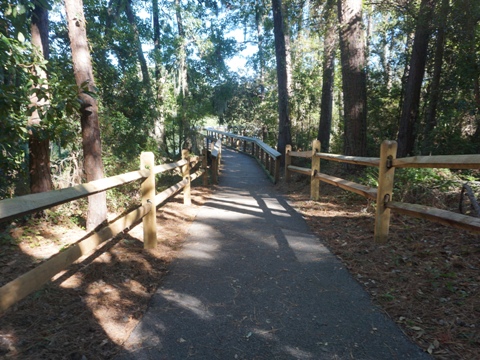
[[182, 77], [431, 114], [159, 131], [38, 142], [259, 17], [92, 148], [136, 36], [328, 71], [284, 132], [470, 23], [352, 50], [288, 50], [411, 103]]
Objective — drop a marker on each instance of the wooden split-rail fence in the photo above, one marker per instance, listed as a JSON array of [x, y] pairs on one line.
[[383, 194], [267, 157], [34, 279]]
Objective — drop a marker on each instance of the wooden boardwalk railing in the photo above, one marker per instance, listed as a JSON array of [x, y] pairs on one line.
[[33, 280], [383, 194], [267, 157]]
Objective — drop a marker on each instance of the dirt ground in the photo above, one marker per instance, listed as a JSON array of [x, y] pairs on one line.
[[88, 311], [426, 278]]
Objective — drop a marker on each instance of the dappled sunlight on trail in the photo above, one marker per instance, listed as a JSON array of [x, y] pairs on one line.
[[252, 282]]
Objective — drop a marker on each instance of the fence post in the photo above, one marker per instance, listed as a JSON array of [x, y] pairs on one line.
[[288, 162], [277, 168], [147, 162], [205, 166], [214, 169], [187, 196], [315, 182], [388, 152]]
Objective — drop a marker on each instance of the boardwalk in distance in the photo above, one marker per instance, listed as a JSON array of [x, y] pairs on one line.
[[252, 282]]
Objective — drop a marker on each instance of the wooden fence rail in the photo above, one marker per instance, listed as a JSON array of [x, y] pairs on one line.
[[34, 279], [267, 157], [383, 194]]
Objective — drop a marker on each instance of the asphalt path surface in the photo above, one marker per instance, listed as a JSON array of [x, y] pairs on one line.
[[253, 282]]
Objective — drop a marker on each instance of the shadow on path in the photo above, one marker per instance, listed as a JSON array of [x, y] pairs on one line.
[[252, 282]]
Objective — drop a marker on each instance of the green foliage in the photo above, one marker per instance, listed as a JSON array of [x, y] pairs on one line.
[[245, 102], [418, 185], [425, 179], [16, 58]]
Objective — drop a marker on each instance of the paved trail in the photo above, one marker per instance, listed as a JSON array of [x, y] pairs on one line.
[[253, 282]]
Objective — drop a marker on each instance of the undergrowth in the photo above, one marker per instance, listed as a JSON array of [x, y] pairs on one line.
[[432, 187]]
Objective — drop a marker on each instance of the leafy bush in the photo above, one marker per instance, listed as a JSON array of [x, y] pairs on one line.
[[420, 186]]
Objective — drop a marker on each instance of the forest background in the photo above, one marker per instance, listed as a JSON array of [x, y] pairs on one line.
[[351, 73]]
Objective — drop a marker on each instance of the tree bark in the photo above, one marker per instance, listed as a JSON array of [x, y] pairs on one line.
[[411, 103], [159, 130], [288, 49], [328, 72], [354, 80], [92, 148], [259, 18], [470, 23], [182, 77], [434, 96], [38, 141], [284, 132], [136, 36]]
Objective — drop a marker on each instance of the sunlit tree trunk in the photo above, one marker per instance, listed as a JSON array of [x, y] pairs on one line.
[[352, 50], [284, 131], [159, 120], [182, 75], [92, 148], [38, 141], [411, 103], [288, 49], [328, 71]]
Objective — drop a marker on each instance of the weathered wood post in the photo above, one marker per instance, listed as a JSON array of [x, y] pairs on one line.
[[205, 166], [388, 152], [315, 182], [267, 163], [214, 169], [147, 162], [244, 146], [187, 192], [277, 168], [288, 162]]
